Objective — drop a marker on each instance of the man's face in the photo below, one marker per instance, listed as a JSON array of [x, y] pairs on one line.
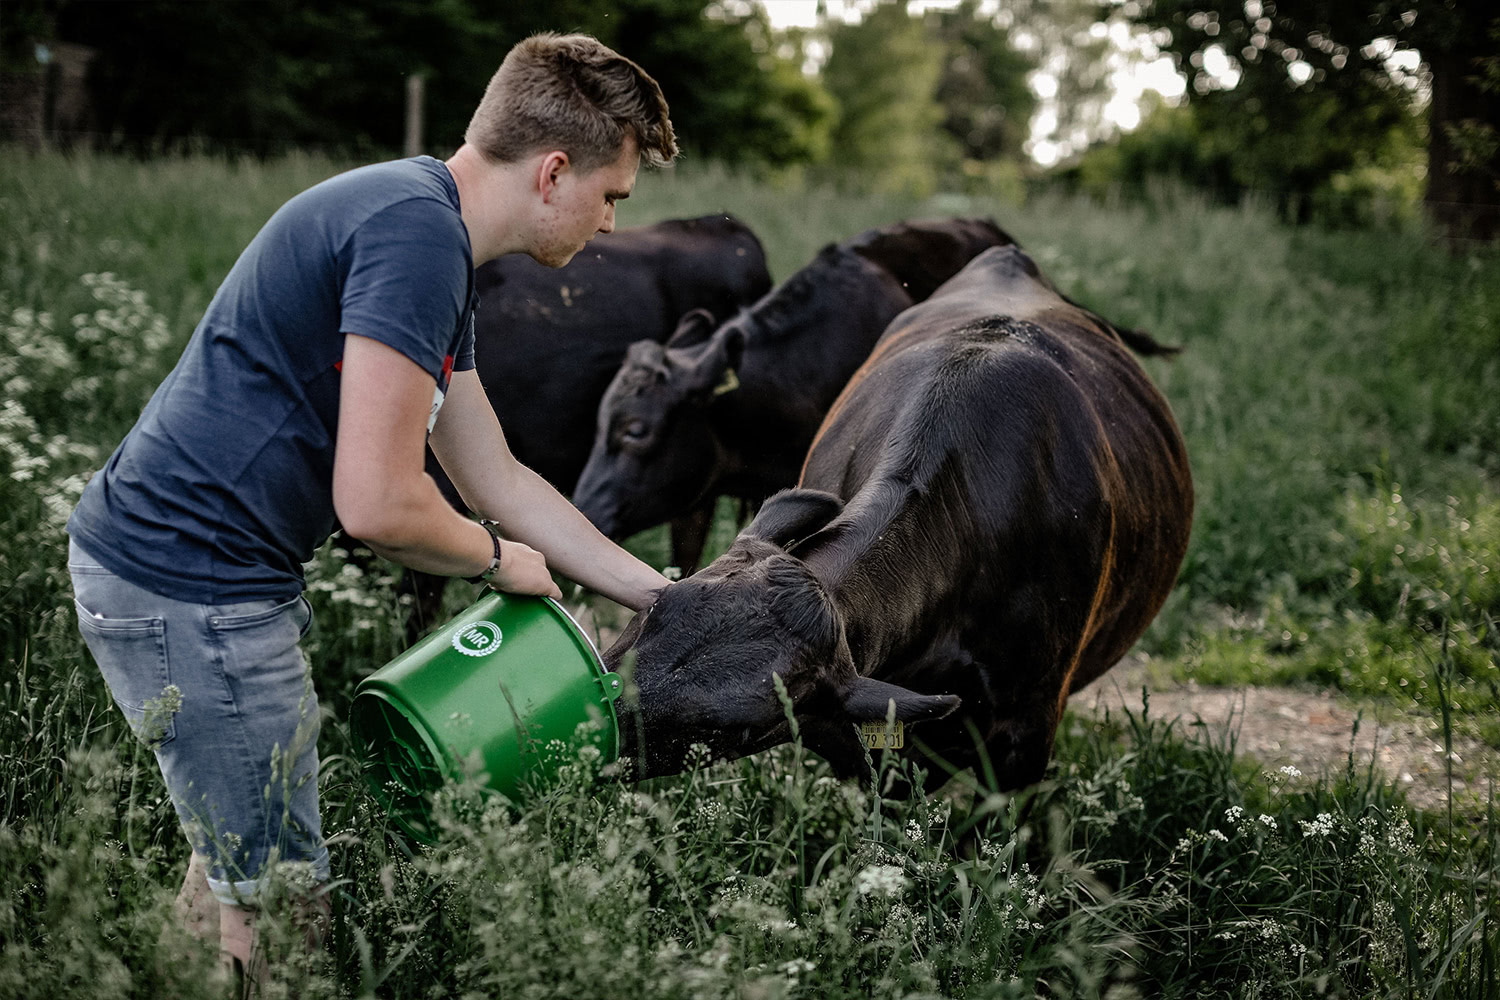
[[583, 204]]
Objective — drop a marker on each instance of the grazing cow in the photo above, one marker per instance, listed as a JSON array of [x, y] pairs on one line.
[[991, 514], [732, 410], [547, 341]]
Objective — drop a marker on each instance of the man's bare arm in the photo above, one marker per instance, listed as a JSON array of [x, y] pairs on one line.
[[381, 491], [470, 445]]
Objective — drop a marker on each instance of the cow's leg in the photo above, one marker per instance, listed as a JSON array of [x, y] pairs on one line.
[[1020, 748], [690, 535]]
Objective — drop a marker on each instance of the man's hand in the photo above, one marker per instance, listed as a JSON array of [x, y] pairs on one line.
[[523, 570]]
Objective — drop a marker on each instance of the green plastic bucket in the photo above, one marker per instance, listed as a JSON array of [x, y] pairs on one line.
[[506, 692]]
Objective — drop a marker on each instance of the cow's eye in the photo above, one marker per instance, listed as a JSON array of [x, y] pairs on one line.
[[633, 432]]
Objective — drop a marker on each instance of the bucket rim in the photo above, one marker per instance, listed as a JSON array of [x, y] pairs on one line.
[[596, 663]]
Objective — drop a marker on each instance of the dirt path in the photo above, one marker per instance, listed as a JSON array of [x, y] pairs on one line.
[[1311, 730]]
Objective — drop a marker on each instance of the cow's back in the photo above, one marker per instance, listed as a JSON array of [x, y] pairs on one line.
[[1018, 499], [923, 255]]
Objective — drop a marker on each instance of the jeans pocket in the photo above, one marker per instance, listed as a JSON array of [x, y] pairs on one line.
[[255, 635], [132, 656], [253, 613]]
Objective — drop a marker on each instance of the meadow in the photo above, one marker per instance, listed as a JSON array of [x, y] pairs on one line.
[[1340, 395]]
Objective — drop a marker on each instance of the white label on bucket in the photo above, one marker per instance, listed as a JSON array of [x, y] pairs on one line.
[[477, 638]]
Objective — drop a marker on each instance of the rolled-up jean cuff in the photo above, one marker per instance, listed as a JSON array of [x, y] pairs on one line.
[[247, 893]]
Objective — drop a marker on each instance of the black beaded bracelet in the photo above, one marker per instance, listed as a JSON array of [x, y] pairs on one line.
[[494, 566]]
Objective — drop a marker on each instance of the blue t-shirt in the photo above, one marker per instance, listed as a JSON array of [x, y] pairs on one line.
[[224, 487]]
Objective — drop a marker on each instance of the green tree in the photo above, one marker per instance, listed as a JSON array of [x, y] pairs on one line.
[[1063, 40], [275, 74], [1316, 93], [267, 76], [884, 72], [733, 97], [987, 103]]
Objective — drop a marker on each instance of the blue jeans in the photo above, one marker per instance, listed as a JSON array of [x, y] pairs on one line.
[[222, 694]]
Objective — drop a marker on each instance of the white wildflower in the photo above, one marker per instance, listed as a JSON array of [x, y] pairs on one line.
[[883, 880], [1320, 827], [796, 967]]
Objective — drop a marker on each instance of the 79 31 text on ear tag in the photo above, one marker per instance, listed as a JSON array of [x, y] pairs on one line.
[[881, 735]]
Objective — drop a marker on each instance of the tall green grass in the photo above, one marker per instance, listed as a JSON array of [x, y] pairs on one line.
[[1340, 394]]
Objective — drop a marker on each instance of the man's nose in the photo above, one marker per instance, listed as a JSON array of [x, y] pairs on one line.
[[608, 225]]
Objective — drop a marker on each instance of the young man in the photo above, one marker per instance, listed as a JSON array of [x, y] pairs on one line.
[[338, 346]]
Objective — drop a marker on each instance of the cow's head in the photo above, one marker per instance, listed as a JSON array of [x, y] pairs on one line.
[[707, 650], [655, 453]]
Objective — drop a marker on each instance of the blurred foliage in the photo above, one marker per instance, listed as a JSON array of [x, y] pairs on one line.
[[267, 77], [928, 100], [910, 101], [1065, 41], [884, 73], [1307, 91], [733, 98], [986, 99], [1476, 143], [1374, 180]]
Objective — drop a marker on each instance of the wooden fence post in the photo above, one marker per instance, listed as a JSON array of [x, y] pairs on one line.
[[414, 91]]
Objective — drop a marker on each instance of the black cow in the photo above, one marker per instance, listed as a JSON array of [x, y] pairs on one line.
[[732, 410], [991, 514], [547, 341]]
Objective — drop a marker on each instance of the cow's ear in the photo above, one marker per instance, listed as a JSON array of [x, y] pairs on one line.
[[692, 329], [732, 342], [709, 367], [869, 700], [793, 514]]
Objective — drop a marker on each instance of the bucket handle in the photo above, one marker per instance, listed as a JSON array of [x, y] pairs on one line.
[[613, 685]]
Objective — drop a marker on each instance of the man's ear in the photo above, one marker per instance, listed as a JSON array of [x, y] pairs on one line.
[[553, 166]]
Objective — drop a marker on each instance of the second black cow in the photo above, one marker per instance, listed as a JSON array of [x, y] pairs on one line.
[[729, 408], [547, 341], [993, 511]]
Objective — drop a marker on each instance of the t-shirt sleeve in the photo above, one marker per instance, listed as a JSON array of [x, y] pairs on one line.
[[463, 357], [407, 281]]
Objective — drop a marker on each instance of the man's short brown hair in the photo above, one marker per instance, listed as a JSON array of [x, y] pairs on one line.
[[571, 92]]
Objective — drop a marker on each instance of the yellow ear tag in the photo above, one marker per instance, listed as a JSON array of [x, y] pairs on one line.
[[730, 382], [880, 735]]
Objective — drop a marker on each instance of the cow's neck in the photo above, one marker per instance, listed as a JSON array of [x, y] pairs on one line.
[[887, 570]]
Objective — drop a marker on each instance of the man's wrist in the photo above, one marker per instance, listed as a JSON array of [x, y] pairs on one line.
[[493, 568]]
